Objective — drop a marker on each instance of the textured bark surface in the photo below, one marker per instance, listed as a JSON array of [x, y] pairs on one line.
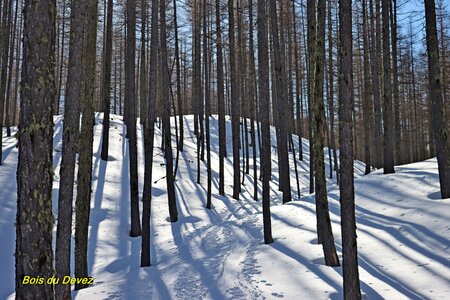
[[84, 178], [234, 103], [346, 185], [367, 100], [71, 128], [263, 87], [130, 95], [4, 47], [438, 112], [34, 220], [166, 113], [282, 104], [148, 139], [388, 151], [325, 233], [107, 82], [220, 102]]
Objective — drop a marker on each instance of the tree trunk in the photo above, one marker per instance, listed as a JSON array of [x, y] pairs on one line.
[[84, 179], [34, 220], [166, 113], [148, 139], [263, 88], [367, 98], [388, 156], [220, 102], [325, 233], [71, 127], [107, 81], [281, 105], [438, 112], [346, 186], [234, 103], [130, 103]]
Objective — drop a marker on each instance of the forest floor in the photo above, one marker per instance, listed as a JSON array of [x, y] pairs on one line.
[[403, 230]]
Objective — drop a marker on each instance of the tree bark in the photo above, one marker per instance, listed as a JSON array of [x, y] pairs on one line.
[[324, 230], [166, 113], [71, 127], [438, 112], [34, 219], [107, 82], [388, 150], [263, 88], [84, 179], [346, 186]]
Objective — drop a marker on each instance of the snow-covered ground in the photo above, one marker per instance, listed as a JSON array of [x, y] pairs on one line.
[[403, 231]]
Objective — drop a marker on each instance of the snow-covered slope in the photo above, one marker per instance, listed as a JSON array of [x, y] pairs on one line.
[[403, 231]]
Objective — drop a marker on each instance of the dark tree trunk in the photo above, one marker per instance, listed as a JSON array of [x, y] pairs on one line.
[[388, 156], [395, 83], [346, 186], [143, 68], [252, 97], [166, 113], [84, 178], [207, 109], [311, 15], [71, 129], [375, 49], [298, 87], [367, 100], [130, 95], [325, 233], [234, 103], [148, 139], [263, 88], [107, 81], [4, 48], [439, 118], [34, 220], [221, 102], [180, 141], [61, 62], [281, 105]]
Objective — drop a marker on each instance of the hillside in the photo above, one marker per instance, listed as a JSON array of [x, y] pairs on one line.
[[403, 231]]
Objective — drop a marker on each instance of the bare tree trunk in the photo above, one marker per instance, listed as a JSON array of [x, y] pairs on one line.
[[388, 156], [367, 99], [324, 230], [4, 48], [263, 88], [71, 129], [311, 15], [34, 220], [148, 139], [439, 117], [234, 103], [346, 186], [107, 81], [375, 49], [166, 113], [180, 142], [281, 105], [84, 179], [61, 62], [207, 108], [397, 129], [220, 102], [130, 103]]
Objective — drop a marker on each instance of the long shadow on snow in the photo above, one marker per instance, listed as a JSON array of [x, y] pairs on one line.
[[395, 284]]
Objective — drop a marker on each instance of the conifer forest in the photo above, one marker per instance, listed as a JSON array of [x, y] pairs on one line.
[[224, 149]]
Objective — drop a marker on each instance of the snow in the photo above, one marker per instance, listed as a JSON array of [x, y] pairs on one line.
[[403, 230]]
